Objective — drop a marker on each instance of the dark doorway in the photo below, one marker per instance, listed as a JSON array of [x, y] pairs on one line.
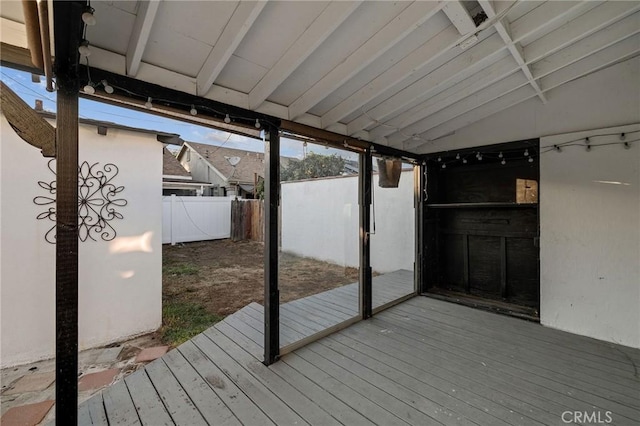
[[482, 227]]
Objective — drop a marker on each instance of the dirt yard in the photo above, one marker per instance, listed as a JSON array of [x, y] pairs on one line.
[[224, 276]]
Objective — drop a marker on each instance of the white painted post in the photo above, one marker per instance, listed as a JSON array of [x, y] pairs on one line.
[[173, 219]]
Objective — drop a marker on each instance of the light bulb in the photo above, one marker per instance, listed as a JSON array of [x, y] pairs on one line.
[[530, 159], [526, 152], [622, 136], [457, 156], [148, 104], [88, 18], [500, 155], [193, 110], [439, 159], [83, 49], [444, 166], [464, 161], [227, 119], [627, 145], [479, 157], [89, 89], [503, 162], [107, 88], [257, 124]]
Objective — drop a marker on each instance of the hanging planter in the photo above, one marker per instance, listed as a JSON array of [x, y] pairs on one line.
[[389, 172]]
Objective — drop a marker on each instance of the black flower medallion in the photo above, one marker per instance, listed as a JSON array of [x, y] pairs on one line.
[[98, 201]]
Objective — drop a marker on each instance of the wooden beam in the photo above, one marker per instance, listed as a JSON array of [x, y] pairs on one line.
[[239, 24], [416, 62], [140, 35], [494, 91], [590, 45], [513, 98], [459, 17], [18, 58], [590, 22], [455, 70], [271, 246], [30, 126], [620, 51], [472, 84], [321, 28], [514, 48], [68, 28], [396, 30]]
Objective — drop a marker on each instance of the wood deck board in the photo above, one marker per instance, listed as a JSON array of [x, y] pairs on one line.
[[461, 376], [423, 361], [523, 367], [118, 405], [544, 364], [175, 398], [615, 372], [200, 391], [149, 406], [96, 411]]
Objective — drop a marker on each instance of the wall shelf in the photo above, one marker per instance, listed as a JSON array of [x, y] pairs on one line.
[[491, 205]]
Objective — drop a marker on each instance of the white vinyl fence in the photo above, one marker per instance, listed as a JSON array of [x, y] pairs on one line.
[[187, 219]]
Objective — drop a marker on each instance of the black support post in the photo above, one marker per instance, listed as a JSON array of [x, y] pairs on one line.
[[68, 32], [419, 182], [271, 234], [364, 202]]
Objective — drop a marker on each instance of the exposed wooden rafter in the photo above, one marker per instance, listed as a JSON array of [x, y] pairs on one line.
[[402, 25], [237, 27], [330, 19], [140, 35], [515, 48]]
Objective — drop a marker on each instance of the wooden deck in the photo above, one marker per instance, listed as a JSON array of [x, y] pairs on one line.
[[421, 362]]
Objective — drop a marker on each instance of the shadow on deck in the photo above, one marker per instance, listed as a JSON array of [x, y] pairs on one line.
[[421, 362]]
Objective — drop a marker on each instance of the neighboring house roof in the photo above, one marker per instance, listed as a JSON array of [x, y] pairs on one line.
[[172, 167], [250, 163], [103, 126]]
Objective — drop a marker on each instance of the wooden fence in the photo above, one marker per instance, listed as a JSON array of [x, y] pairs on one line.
[[247, 220]]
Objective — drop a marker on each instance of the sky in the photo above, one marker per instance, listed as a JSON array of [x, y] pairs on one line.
[[20, 82]]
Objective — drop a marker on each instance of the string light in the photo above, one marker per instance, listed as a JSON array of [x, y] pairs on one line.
[[88, 18], [530, 159], [193, 110], [457, 156], [89, 89], [464, 161], [227, 119], [148, 104], [107, 87], [500, 155], [588, 144], [257, 124], [526, 152], [557, 148], [83, 49], [439, 159], [444, 165], [503, 162]]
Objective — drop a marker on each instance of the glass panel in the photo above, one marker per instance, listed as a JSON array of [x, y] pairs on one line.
[[319, 258], [392, 228]]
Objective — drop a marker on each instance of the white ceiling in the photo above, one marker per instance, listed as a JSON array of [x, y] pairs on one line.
[[388, 72]]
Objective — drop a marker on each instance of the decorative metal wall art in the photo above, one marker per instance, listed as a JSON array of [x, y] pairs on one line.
[[98, 200]]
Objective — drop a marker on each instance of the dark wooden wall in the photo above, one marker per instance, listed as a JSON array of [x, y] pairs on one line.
[[478, 239]]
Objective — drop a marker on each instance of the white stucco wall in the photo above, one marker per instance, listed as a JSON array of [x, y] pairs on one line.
[[320, 220], [589, 232], [590, 238], [120, 280]]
